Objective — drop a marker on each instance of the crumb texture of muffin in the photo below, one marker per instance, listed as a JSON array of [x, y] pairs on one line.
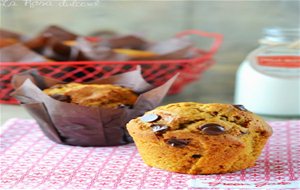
[[94, 95], [195, 138]]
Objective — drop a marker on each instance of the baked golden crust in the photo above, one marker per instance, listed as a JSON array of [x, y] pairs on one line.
[[95, 95], [197, 138]]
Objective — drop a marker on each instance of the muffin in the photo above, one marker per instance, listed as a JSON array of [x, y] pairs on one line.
[[94, 95], [195, 138], [136, 54]]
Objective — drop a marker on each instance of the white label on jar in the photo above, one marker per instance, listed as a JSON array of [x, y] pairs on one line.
[[277, 61]]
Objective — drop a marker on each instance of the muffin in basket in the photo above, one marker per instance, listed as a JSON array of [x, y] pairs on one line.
[[94, 95], [195, 138], [87, 114]]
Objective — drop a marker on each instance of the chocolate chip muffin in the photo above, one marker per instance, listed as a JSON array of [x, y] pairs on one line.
[[195, 138], [94, 95]]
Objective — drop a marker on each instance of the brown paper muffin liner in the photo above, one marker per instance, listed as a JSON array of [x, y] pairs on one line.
[[72, 124]]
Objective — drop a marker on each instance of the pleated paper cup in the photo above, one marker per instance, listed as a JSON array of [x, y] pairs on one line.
[[72, 124]]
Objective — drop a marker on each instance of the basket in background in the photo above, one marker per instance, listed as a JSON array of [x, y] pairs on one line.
[[155, 72]]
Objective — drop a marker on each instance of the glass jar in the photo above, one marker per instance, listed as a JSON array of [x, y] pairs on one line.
[[268, 80], [279, 53], [280, 36]]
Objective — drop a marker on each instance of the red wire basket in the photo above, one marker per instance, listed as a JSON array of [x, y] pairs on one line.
[[155, 72]]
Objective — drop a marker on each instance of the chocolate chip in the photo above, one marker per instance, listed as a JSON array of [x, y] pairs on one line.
[[212, 129], [245, 123], [62, 98], [196, 156], [214, 113], [224, 118], [263, 133], [150, 117], [240, 107], [237, 117], [159, 128], [178, 142]]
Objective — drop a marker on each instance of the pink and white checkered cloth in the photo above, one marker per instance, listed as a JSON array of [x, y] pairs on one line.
[[30, 161]]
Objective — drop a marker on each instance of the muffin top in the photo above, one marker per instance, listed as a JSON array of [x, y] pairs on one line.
[[94, 95], [182, 119]]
